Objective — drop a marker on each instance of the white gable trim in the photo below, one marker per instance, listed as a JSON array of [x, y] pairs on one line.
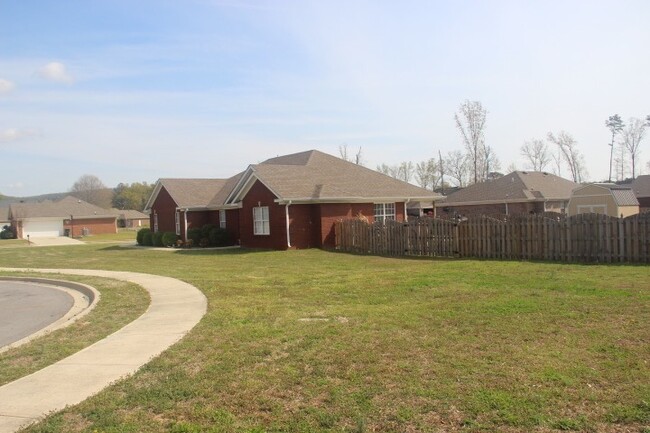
[[244, 186], [154, 195]]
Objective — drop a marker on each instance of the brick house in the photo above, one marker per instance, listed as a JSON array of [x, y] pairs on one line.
[[66, 217], [520, 192], [290, 201]]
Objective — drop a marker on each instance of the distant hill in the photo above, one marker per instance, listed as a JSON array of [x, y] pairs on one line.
[[6, 201]]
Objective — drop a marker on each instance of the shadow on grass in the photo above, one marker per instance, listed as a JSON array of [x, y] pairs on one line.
[[227, 251]]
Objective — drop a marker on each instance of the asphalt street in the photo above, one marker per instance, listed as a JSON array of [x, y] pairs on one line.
[[28, 307]]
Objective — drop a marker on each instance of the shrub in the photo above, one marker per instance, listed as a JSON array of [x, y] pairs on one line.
[[169, 239], [147, 239], [157, 239], [220, 237], [139, 237], [206, 229], [194, 234], [7, 233]]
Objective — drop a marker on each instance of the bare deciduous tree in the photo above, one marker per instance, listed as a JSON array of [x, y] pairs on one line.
[[92, 190], [405, 171], [570, 154], [620, 162], [345, 156], [536, 154], [425, 174], [470, 121], [631, 138], [456, 166], [615, 125], [491, 163]]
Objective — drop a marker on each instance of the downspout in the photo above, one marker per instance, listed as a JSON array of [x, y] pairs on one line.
[[185, 224], [406, 215], [286, 213]]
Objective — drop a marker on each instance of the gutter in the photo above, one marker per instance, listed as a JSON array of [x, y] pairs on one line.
[[185, 224]]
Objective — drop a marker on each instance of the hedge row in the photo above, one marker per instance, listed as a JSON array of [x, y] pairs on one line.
[[207, 236]]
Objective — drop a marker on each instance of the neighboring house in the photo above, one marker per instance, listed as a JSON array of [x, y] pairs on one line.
[[130, 218], [607, 199], [290, 201], [520, 192], [4, 217], [66, 217], [641, 188]]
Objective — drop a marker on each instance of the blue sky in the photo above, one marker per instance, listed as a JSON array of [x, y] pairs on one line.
[[133, 91]]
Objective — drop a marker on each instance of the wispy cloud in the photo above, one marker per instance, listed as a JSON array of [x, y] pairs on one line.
[[6, 86], [14, 134], [57, 72]]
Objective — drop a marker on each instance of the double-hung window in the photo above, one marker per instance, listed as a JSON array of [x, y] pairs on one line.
[[222, 218], [384, 212], [261, 220], [178, 222]]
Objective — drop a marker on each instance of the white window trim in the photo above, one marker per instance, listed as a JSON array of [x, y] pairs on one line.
[[222, 218], [178, 222], [384, 215], [261, 225]]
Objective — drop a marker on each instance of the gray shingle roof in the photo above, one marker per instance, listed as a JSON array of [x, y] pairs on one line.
[[516, 186], [63, 208], [624, 197], [641, 186], [192, 192], [129, 214], [316, 175]]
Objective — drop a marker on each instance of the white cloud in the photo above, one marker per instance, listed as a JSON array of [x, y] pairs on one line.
[[57, 72], [13, 134], [16, 185], [6, 86]]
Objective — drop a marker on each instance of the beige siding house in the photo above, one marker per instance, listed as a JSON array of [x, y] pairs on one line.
[[607, 199]]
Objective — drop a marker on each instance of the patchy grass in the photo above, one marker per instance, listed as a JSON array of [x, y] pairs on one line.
[[120, 303], [13, 243], [123, 235], [317, 341]]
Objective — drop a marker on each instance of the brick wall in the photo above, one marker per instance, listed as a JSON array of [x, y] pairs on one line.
[[165, 207], [329, 213], [95, 226], [277, 238]]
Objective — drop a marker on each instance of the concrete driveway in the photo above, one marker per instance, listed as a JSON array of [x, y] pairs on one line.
[[55, 241]]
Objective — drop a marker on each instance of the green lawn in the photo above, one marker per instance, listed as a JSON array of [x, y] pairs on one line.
[[302, 341], [13, 243], [123, 235]]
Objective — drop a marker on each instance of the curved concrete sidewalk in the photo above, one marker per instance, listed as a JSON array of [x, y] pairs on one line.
[[174, 310]]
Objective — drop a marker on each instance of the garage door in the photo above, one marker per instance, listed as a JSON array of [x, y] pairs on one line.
[[42, 229]]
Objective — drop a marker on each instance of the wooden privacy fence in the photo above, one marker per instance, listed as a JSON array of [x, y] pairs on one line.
[[581, 238]]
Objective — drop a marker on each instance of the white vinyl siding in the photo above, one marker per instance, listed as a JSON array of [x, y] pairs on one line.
[[222, 219], [384, 212], [261, 224]]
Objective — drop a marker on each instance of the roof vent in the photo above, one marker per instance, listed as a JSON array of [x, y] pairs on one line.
[[524, 172]]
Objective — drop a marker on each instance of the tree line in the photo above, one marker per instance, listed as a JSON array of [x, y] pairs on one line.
[[91, 189], [558, 152]]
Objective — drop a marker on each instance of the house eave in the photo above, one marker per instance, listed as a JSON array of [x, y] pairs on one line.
[[309, 200]]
